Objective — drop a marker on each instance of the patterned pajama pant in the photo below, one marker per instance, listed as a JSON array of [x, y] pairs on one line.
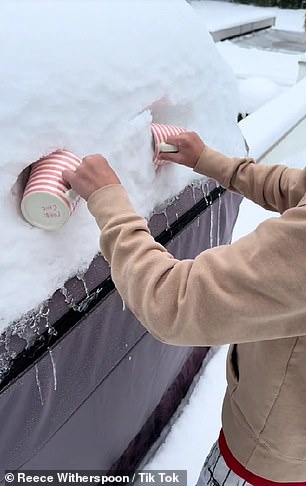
[[216, 473]]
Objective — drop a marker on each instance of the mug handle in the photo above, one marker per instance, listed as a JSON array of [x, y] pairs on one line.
[[167, 147], [71, 195]]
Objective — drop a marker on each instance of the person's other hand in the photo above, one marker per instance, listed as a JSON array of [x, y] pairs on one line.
[[190, 146], [93, 173]]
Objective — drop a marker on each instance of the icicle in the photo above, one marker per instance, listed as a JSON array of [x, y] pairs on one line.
[[167, 220], [5, 359], [123, 305], [84, 304], [211, 236], [27, 327], [72, 304], [204, 187], [177, 216], [130, 358], [6, 354], [51, 329], [193, 194], [219, 215], [53, 369], [82, 278], [6, 342], [38, 384], [68, 297]]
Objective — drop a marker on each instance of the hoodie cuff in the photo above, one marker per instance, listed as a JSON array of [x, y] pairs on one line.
[[216, 165]]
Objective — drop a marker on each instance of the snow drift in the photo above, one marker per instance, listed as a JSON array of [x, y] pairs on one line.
[[90, 77]]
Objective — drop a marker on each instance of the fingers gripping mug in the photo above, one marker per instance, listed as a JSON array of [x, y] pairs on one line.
[[47, 202], [160, 134]]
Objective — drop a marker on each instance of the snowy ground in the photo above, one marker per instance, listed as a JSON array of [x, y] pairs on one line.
[[262, 74], [268, 74]]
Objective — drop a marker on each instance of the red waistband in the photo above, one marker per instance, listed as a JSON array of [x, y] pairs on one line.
[[243, 473]]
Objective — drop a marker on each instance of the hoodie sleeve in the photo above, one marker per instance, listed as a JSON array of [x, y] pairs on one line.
[[248, 291], [274, 187]]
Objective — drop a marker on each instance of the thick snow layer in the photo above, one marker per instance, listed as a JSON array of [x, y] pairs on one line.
[[255, 92], [262, 75], [275, 120], [217, 15], [90, 77], [245, 62]]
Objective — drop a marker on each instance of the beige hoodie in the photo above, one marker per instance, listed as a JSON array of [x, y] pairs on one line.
[[252, 293]]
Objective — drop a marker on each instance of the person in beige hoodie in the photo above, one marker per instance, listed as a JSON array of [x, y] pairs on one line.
[[250, 294]]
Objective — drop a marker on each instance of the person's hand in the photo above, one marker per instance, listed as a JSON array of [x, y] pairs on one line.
[[190, 146], [93, 173]]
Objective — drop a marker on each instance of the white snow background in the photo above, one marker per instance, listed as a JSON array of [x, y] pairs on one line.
[[88, 77]]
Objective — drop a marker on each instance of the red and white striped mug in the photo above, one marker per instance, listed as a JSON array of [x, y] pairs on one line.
[[160, 134], [47, 201]]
